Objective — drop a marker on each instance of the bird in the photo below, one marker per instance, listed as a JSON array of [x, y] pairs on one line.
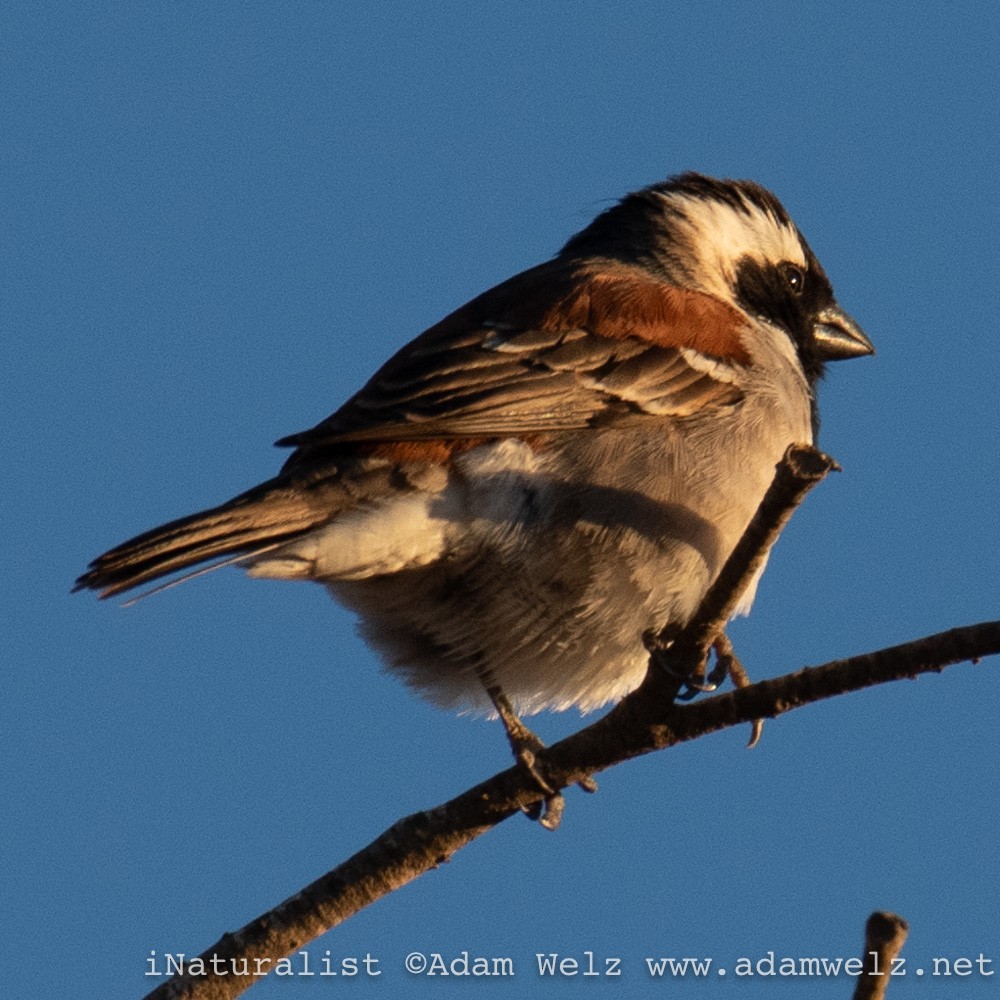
[[527, 488]]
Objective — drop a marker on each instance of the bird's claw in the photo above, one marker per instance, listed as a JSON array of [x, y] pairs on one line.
[[549, 810], [694, 685], [697, 681], [526, 745], [727, 664]]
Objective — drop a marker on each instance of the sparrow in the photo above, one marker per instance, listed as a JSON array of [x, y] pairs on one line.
[[561, 465]]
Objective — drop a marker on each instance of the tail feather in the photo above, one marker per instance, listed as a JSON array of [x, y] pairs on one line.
[[250, 523]]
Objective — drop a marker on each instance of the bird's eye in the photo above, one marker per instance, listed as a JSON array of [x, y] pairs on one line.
[[795, 278]]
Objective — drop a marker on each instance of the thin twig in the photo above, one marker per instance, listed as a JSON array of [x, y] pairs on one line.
[[884, 937], [424, 840], [645, 721], [801, 468]]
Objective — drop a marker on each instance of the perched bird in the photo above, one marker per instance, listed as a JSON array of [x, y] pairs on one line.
[[559, 466]]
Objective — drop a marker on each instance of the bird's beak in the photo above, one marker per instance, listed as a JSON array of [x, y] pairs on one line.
[[837, 336]]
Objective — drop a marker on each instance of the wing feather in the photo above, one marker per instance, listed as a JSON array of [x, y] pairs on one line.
[[560, 347]]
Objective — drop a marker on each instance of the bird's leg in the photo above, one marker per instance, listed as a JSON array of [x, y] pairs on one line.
[[525, 745]]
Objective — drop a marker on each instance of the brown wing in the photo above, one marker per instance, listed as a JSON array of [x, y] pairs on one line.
[[560, 347], [563, 346]]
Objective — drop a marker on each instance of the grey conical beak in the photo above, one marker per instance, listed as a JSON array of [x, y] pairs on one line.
[[837, 336]]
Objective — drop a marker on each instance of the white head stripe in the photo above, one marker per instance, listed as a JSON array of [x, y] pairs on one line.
[[719, 235]]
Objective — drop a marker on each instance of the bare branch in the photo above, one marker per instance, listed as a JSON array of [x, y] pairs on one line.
[[646, 720], [884, 937], [426, 839], [801, 468]]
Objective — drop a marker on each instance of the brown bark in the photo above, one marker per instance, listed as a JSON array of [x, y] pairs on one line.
[[884, 937], [648, 719]]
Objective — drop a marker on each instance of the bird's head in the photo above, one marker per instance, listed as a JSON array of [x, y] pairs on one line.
[[732, 240]]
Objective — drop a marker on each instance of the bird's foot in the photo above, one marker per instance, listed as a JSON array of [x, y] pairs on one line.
[[525, 746], [692, 683], [700, 681], [727, 661]]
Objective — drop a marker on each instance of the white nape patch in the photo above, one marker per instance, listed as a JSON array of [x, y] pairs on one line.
[[404, 533], [719, 235]]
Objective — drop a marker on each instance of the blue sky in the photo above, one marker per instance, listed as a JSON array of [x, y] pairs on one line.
[[218, 219]]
